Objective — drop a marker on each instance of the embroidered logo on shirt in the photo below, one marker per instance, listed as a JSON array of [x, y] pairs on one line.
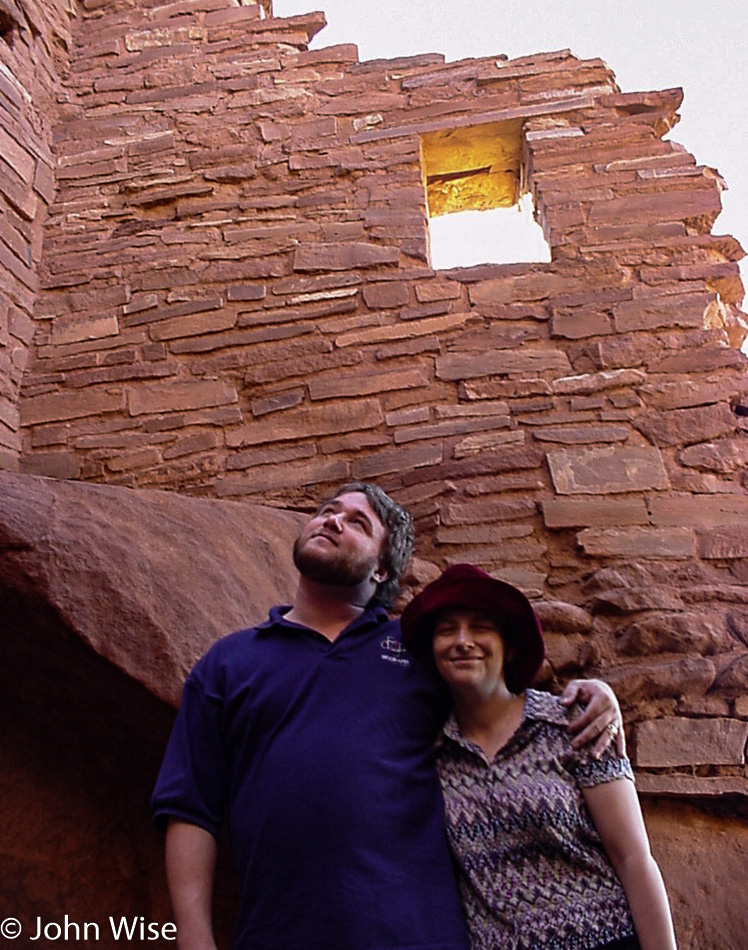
[[394, 652]]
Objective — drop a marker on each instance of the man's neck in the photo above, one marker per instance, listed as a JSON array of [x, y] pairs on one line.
[[327, 609]]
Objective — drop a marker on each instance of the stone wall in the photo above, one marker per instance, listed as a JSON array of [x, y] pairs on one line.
[[35, 40], [237, 294], [237, 302]]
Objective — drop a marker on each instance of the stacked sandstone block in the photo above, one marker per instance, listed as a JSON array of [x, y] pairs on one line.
[[35, 39], [237, 301]]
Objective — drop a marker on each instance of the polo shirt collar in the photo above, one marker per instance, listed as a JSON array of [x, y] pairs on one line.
[[372, 617]]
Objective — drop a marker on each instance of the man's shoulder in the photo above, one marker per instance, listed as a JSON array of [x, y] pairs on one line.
[[248, 643], [231, 646], [236, 639]]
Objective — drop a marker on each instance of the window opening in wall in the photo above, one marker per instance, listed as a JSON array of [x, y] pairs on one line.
[[266, 7], [479, 209]]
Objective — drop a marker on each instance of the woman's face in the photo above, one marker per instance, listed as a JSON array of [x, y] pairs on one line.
[[469, 650]]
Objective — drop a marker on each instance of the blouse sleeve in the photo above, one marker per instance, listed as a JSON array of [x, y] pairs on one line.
[[608, 768], [589, 771]]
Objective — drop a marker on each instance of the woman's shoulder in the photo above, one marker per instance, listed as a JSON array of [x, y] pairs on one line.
[[547, 708]]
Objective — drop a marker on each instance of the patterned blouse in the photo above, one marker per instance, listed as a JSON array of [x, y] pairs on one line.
[[532, 869]]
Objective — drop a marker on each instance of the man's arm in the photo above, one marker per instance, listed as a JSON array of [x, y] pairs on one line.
[[600, 722], [190, 866]]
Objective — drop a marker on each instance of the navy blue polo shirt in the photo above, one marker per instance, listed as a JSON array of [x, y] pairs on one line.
[[319, 756]]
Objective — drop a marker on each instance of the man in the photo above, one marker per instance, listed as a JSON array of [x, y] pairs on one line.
[[311, 734]]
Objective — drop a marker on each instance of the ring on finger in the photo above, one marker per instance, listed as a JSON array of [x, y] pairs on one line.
[[612, 728]]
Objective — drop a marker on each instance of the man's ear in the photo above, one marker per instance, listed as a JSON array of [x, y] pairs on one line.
[[381, 574]]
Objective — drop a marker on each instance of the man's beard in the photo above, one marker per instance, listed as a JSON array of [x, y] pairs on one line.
[[332, 567]]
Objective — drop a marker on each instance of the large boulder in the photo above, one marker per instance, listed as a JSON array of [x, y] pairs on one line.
[[146, 579], [107, 597]]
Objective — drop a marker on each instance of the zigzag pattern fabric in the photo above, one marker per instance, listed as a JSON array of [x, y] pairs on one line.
[[532, 869]]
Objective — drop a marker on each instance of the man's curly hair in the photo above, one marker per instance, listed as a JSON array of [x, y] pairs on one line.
[[400, 540]]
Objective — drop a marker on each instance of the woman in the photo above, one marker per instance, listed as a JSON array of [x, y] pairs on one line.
[[549, 842]]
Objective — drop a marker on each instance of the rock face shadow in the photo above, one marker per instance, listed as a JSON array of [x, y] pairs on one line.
[[89, 682]]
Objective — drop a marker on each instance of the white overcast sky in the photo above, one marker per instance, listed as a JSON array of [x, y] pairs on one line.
[[649, 44]]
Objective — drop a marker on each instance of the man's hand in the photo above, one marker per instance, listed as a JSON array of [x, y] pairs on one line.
[[600, 720]]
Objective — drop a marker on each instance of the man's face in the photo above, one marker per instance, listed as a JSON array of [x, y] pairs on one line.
[[342, 544]]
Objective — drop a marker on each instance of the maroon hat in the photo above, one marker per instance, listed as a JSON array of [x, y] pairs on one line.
[[464, 585]]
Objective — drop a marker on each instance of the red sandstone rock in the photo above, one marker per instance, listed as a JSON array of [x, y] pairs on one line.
[[687, 426], [699, 510], [342, 256], [635, 541], [386, 295], [607, 470], [724, 543], [108, 596], [57, 536], [217, 282], [675, 633], [673, 741], [601, 512], [563, 618]]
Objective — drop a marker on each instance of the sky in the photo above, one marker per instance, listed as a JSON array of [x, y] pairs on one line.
[[649, 45]]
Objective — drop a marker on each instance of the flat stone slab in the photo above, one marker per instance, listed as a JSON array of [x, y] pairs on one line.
[[607, 470], [664, 743]]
